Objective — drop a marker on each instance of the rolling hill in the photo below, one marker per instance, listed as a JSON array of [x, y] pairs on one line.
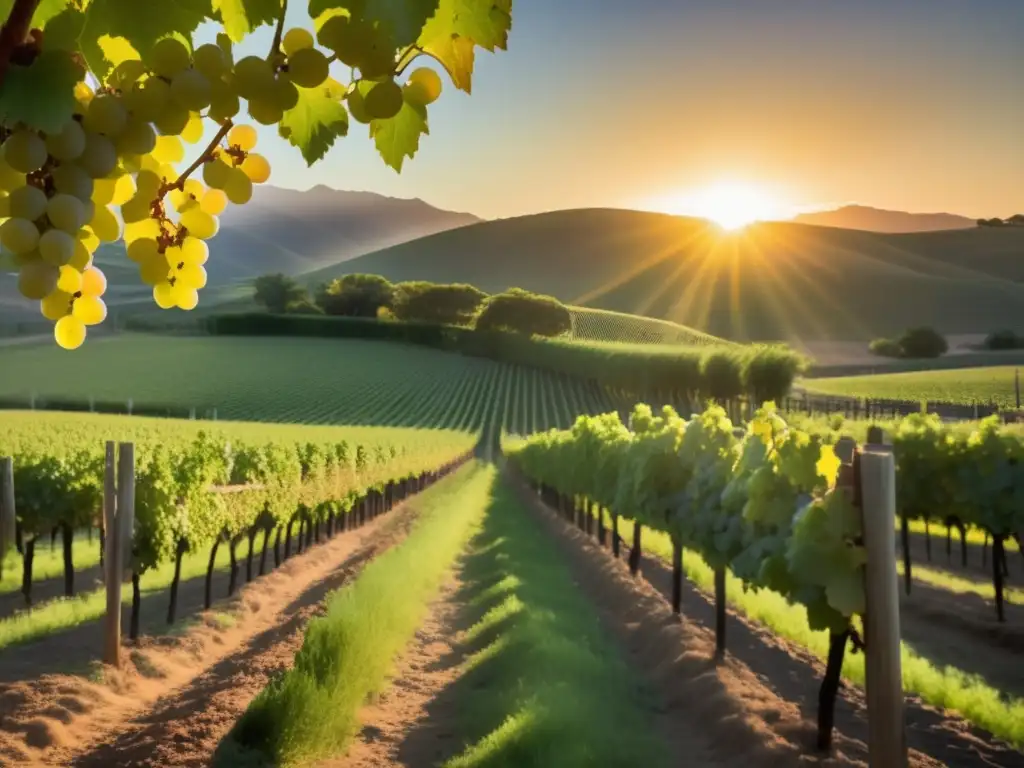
[[880, 220], [772, 281]]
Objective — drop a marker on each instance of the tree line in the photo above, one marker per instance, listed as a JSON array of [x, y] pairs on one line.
[[457, 304]]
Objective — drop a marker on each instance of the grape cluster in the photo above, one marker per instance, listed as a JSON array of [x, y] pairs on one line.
[[111, 171]]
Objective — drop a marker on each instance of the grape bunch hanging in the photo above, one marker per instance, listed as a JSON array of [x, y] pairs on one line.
[[111, 172]]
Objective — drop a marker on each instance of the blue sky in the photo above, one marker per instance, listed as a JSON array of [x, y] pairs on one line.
[[911, 104]]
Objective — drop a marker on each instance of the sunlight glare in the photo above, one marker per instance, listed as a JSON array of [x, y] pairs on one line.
[[732, 205]]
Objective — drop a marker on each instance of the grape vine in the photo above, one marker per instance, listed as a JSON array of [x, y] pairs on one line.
[[99, 98]]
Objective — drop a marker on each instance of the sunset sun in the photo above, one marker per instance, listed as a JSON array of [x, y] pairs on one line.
[[730, 204]]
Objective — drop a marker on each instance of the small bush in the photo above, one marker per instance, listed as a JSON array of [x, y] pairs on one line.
[[455, 304], [770, 371], [355, 296], [923, 343], [276, 292], [529, 314], [886, 348], [721, 375], [1003, 340]]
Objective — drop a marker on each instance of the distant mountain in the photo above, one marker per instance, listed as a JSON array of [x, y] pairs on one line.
[[879, 220]]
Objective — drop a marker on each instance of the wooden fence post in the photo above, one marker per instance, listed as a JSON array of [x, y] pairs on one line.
[[112, 560], [126, 503], [883, 674], [7, 511]]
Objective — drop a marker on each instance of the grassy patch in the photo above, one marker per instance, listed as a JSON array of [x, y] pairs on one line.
[[950, 688], [961, 586], [65, 613], [544, 687], [968, 385], [48, 562], [311, 711]]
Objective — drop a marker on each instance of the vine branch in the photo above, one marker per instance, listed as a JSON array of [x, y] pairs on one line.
[[205, 155], [409, 55], [15, 31], [275, 46]]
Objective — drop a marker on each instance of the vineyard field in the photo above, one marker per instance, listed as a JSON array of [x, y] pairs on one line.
[[302, 380], [993, 384], [604, 325]]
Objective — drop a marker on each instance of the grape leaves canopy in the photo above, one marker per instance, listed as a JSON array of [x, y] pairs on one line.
[[100, 98]]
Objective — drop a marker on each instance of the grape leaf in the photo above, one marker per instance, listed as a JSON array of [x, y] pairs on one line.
[[240, 17], [399, 137], [40, 95], [316, 121], [404, 20], [450, 35], [63, 30], [116, 50], [45, 11]]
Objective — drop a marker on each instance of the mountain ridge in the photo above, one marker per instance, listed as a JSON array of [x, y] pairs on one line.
[[870, 219]]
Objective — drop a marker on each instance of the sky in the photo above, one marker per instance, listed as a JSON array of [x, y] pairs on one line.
[[906, 104]]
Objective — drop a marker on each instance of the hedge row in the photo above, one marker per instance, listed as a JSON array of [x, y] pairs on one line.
[[720, 373]]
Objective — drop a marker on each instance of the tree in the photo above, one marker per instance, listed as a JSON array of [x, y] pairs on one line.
[[520, 311], [355, 295], [87, 88], [455, 304], [277, 291], [923, 343]]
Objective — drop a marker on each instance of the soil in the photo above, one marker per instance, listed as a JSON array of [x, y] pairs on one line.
[[778, 681], [178, 695]]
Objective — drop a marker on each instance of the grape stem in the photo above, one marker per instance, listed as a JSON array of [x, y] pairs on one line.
[[15, 31], [206, 154], [409, 55], [275, 46]]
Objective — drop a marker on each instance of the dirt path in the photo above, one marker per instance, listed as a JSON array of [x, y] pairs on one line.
[[410, 704], [777, 681], [171, 706]]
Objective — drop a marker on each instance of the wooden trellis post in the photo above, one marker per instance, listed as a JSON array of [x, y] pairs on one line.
[[119, 521], [7, 511]]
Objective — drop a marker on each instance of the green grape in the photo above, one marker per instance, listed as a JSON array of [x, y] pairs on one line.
[[238, 187], [105, 115], [148, 99], [91, 310], [173, 119], [168, 57], [253, 77], [194, 130], [24, 151], [296, 39], [192, 276], [69, 332], [256, 167], [81, 257], [94, 282], [163, 295], [147, 183], [56, 247], [191, 90], [66, 212], [37, 279], [199, 223], [71, 179], [55, 305], [153, 270], [70, 279], [243, 137], [126, 74], [19, 236], [423, 87], [211, 60], [284, 94], [169, 149], [384, 100], [99, 158], [357, 106], [184, 297], [89, 239], [5, 205], [28, 202], [214, 201], [265, 112], [143, 249], [137, 138], [10, 178], [308, 67], [68, 144], [105, 224], [224, 103], [216, 173], [173, 258], [194, 251], [137, 209]]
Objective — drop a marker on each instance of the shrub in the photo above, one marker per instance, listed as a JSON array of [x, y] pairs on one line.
[[1003, 340], [721, 375], [886, 348], [455, 304], [530, 314], [769, 372], [277, 291], [355, 295], [923, 343]]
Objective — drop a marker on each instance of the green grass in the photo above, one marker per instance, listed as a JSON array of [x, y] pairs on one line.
[[65, 613], [48, 562], [968, 385], [969, 696], [295, 380], [543, 687], [311, 711], [959, 585], [602, 325]]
